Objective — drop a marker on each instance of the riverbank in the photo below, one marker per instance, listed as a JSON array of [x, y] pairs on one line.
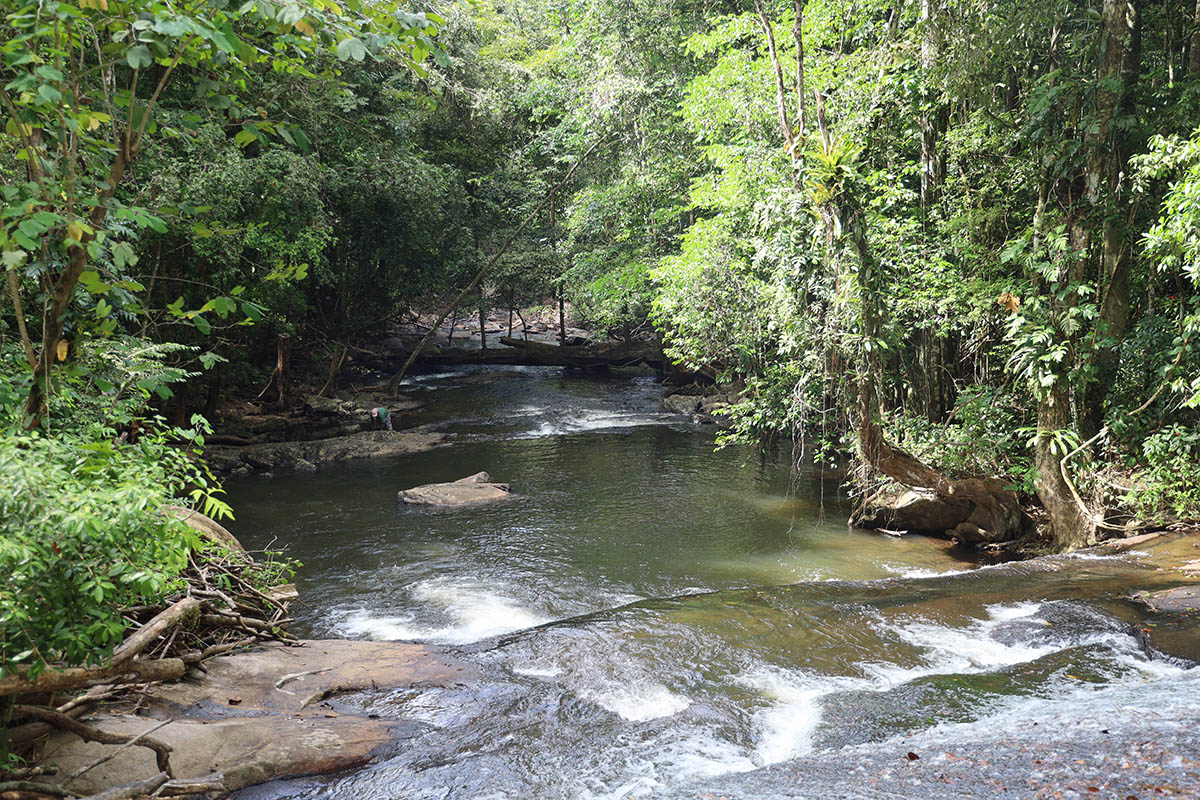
[[270, 712]]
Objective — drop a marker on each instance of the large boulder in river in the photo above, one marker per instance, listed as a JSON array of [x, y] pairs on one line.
[[900, 509], [897, 508], [477, 488], [205, 526], [683, 403]]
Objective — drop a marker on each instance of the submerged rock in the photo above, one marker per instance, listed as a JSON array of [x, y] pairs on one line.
[[324, 405], [1171, 601], [477, 488], [366, 444]]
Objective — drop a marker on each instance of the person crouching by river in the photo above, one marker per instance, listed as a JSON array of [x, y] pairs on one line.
[[382, 417]]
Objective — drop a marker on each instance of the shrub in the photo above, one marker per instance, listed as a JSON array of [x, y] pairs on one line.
[[82, 535]]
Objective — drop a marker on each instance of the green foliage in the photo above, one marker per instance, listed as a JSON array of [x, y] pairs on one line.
[[82, 535], [982, 436], [1170, 476], [82, 530]]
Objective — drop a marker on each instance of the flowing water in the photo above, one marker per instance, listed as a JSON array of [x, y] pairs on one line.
[[653, 619]]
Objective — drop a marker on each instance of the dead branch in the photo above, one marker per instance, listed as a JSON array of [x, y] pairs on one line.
[[112, 754], [148, 633], [213, 782], [34, 787], [129, 791], [56, 680], [162, 751]]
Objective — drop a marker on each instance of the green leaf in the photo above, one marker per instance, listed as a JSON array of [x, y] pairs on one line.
[[351, 49], [92, 282], [13, 258], [138, 56], [49, 94]]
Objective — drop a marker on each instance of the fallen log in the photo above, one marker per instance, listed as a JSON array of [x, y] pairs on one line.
[[148, 633], [57, 680]]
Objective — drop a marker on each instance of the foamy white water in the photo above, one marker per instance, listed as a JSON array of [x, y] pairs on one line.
[[786, 728], [570, 422], [473, 611], [638, 700]]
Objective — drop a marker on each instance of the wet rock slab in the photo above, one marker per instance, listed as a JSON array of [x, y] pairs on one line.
[[1171, 601], [473, 489], [261, 715]]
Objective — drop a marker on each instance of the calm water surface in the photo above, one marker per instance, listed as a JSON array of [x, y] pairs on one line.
[[651, 616]]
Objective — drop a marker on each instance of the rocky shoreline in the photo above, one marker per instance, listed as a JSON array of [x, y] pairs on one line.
[[268, 713], [266, 457]]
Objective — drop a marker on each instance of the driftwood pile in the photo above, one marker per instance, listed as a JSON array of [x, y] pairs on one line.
[[219, 608]]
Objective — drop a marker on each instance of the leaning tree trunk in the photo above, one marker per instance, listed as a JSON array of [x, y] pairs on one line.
[[1194, 46], [932, 118], [996, 515]]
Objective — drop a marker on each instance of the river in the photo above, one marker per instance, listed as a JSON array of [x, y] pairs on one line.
[[656, 619]]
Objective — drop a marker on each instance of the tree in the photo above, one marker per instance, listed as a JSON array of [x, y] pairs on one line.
[[82, 85]]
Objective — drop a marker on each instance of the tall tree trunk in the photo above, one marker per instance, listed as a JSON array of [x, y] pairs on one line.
[[283, 364], [562, 315], [1072, 529], [1194, 47], [482, 327], [1121, 58], [798, 33], [932, 118], [63, 292]]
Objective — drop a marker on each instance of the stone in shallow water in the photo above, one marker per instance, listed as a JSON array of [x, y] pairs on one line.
[[477, 488], [683, 403], [1181, 598]]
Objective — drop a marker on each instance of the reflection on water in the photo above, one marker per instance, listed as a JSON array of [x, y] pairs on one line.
[[651, 615]]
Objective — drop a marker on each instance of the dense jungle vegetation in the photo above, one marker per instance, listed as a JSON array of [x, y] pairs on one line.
[[958, 241]]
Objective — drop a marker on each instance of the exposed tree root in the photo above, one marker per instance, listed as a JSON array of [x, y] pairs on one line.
[[162, 751]]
